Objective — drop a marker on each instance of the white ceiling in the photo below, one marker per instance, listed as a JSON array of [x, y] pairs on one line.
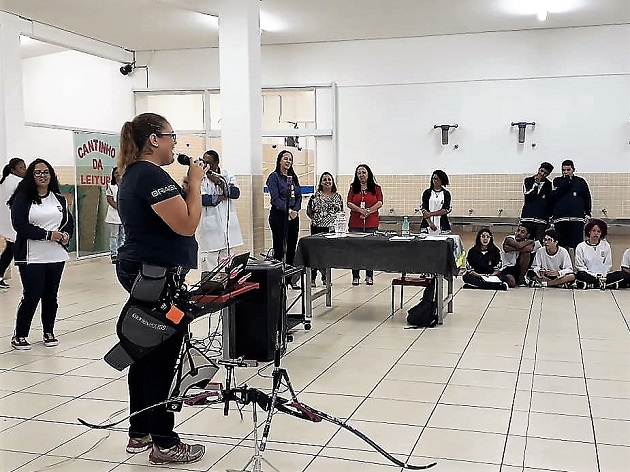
[[179, 24]]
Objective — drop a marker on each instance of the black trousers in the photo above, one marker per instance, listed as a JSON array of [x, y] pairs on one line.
[[149, 379], [6, 257], [318, 230], [571, 233], [611, 278], [39, 282], [478, 282], [277, 220]]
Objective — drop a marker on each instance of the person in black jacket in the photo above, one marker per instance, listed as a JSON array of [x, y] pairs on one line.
[[43, 224], [571, 206], [435, 204], [537, 200], [483, 259]]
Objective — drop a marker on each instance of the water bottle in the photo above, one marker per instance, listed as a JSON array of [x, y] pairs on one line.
[[340, 223], [405, 227]]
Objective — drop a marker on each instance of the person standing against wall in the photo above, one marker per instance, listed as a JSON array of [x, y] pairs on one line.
[[537, 200], [286, 195], [365, 197], [571, 206], [12, 175], [112, 219], [43, 226], [218, 230], [322, 209], [435, 204]]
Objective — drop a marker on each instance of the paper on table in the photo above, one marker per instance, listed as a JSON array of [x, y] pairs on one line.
[[491, 278], [402, 238]]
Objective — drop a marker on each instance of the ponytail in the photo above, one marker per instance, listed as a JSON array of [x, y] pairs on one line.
[[134, 136]]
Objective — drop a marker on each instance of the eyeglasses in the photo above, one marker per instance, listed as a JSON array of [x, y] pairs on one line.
[[41, 172], [548, 240], [172, 135]]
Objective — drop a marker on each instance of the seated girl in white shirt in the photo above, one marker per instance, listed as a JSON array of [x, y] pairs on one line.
[[593, 259]]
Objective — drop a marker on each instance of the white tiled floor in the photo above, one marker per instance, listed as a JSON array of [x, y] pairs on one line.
[[523, 381]]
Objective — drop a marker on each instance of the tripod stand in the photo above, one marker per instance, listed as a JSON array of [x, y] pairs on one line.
[[280, 374]]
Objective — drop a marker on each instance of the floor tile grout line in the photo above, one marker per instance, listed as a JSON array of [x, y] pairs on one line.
[[454, 368], [588, 399], [529, 405]]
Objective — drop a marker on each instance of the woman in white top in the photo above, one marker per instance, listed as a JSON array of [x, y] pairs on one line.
[[11, 176], [593, 258], [436, 204], [43, 226], [116, 231], [552, 265]]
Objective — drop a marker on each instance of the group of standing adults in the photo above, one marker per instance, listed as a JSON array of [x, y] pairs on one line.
[[364, 199]]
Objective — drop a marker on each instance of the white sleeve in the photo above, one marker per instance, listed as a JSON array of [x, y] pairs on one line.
[[580, 261], [537, 264], [625, 260], [566, 264], [608, 258]]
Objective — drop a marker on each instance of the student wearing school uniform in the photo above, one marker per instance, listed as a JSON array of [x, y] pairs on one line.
[[552, 265], [593, 259]]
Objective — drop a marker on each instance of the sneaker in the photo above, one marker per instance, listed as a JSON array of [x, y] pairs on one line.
[[50, 340], [295, 286], [136, 445], [20, 344], [178, 454], [355, 282], [602, 284], [313, 284], [581, 285], [468, 286], [369, 281], [504, 286], [3, 284]]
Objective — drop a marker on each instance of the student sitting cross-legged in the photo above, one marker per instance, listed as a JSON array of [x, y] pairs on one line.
[[625, 269], [552, 265], [593, 259], [483, 263]]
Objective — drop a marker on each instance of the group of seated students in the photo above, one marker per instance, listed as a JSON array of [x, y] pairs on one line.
[[524, 261]]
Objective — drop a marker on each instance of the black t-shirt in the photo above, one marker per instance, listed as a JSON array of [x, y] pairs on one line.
[[147, 237]]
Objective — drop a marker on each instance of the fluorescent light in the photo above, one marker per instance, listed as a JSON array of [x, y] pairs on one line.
[[536, 7]]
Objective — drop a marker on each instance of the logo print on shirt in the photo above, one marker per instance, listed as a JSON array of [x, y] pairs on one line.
[[161, 191]]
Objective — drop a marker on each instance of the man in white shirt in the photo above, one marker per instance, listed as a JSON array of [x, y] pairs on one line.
[[552, 265], [218, 230]]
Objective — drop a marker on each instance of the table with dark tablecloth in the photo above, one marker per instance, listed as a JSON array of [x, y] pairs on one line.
[[378, 252]]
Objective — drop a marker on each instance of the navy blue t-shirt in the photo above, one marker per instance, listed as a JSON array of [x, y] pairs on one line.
[[147, 237]]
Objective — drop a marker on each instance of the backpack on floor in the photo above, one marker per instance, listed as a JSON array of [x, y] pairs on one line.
[[424, 314]]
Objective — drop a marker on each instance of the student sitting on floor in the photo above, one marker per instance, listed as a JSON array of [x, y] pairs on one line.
[[483, 262], [625, 269], [552, 264], [593, 259], [518, 254]]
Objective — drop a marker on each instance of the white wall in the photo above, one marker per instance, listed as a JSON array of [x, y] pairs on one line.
[[574, 82], [74, 89]]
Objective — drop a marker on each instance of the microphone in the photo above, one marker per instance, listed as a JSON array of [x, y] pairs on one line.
[[183, 159]]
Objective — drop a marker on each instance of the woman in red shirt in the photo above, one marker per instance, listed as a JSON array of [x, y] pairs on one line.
[[364, 199]]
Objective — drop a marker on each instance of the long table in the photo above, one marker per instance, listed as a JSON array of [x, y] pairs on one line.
[[378, 252]]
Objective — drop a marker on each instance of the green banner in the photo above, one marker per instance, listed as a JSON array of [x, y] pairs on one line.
[[95, 158]]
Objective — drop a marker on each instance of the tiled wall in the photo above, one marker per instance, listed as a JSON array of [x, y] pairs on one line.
[[485, 194]]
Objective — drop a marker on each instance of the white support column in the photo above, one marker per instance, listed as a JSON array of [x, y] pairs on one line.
[[11, 94], [241, 103]]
